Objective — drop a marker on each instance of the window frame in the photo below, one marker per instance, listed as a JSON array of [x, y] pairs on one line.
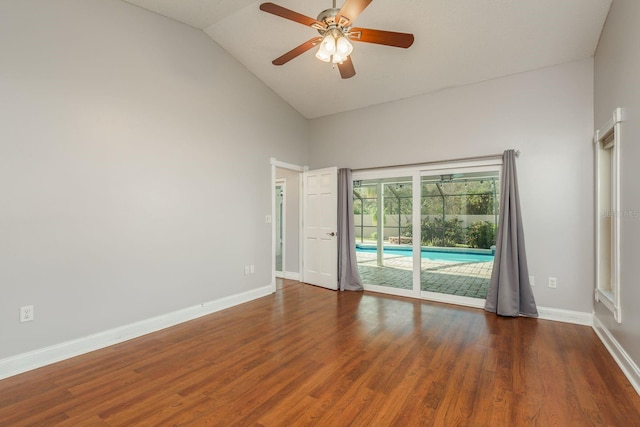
[[608, 138]]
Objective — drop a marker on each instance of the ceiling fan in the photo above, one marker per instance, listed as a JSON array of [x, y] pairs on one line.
[[336, 30]]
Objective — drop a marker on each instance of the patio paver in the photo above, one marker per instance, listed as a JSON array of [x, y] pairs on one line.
[[446, 277]]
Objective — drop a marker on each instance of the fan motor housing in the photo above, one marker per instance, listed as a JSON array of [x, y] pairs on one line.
[[328, 17]]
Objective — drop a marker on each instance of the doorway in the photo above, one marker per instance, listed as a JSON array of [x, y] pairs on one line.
[[280, 223], [286, 211]]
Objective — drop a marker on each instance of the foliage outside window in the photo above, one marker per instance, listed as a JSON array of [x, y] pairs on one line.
[[454, 212]]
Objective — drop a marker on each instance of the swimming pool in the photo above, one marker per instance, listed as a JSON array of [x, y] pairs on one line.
[[447, 256]]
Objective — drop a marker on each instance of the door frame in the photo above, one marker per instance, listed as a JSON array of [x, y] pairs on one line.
[[289, 166]]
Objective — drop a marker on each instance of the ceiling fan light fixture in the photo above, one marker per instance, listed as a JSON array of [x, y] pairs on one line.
[[338, 58], [329, 43], [344, 46], [327, 48], [322, 55], [335, 47]]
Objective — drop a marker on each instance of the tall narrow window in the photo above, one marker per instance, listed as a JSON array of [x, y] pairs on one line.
[[607, 162]]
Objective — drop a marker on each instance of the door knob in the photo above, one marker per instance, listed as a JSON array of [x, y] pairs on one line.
[[332, 234]]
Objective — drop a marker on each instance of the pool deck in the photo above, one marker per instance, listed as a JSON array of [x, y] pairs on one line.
[[469, 279]]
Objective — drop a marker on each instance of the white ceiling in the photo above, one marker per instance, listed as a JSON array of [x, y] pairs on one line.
[[457, 42]]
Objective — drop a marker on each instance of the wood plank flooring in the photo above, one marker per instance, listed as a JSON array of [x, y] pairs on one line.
[[310, 356]]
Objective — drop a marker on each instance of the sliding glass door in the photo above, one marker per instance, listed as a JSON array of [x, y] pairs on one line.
[[383, 213], [459, 218], [428, 232]]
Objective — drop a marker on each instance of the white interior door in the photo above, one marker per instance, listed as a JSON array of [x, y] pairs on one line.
[[320, 223]]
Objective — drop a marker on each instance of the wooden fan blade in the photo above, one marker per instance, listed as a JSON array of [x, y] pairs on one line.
[[389, 38], [346, 68], [291, 15], [297, 51], [350, 11]]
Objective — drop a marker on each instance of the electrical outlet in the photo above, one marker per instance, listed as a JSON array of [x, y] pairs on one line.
[[26, 313], [553, 282], [532, 280]]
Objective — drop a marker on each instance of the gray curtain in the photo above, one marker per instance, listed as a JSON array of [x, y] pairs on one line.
[[510, 292], [348, 276]]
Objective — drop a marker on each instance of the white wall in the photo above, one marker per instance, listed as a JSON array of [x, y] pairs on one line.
[[292, 246], [547, 114], [617, 84], [125, 140]]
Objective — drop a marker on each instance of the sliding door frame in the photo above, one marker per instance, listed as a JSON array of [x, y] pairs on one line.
[[483, 166], [416, 172], [384, 173]]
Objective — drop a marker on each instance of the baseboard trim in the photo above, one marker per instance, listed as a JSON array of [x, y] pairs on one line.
[[45, 356], [544, 313], [292, 275], [628, 366], [566, 316]]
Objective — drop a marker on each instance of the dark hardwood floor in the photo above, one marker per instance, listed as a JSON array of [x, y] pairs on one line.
[[309, 356]]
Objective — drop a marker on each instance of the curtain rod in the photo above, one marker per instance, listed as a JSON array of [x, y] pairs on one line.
[[435, 162]]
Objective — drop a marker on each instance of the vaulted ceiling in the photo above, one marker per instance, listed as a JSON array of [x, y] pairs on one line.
[[457, 42]]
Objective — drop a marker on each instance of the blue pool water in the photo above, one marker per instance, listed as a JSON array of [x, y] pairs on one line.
[[431, 255]]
